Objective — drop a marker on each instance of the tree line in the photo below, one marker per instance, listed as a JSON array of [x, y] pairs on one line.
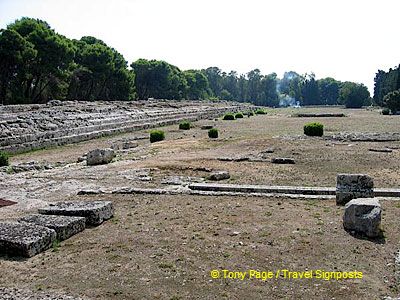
[[387, 89], [38, 64]]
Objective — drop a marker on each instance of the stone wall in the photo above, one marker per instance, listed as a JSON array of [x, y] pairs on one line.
[[30, 127]]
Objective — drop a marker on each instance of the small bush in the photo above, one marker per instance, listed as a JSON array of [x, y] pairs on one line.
[[314, 129], [260, 112], [213, 133], [3, 159], [385, 111], [229, 117], [239, 115], [250, 113], [156, 136], [184, 126]]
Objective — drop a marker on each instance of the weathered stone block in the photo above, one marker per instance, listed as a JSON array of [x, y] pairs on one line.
[[363, 216], [64, 226], [219, 175], [17, 239], [99, 157], [352, 186], [95, 212]]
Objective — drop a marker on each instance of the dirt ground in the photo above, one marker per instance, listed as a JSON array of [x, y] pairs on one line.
[[164, 246]]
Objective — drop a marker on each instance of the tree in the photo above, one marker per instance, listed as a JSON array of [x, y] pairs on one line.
[[45, 77], [16, 55], [392, 101], [386, 82], [354, 95], [310, 91], [329, 90]]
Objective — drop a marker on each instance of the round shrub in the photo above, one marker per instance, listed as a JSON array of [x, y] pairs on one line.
[[239, 115], [156, 136], [385, 111], [184, 126], [314, 129], [229, 117], [260, 112], [213, 133], [250, 113], [3, 159]]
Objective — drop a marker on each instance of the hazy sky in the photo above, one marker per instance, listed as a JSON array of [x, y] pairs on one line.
[[344, 39]]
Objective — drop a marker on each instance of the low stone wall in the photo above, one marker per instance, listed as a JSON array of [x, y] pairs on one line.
[[30, 127]]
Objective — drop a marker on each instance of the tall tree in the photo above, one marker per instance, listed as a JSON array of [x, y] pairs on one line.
[[354, 95]]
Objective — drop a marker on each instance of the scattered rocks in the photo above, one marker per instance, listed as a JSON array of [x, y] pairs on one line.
[[219, 175], [28, 166], [64, 226], [17, 239], [129, 145], [181, 180], [95, 212], [352, 186], [205, 127], [100, 156], [363, 216], [282, 160], [365, 136]]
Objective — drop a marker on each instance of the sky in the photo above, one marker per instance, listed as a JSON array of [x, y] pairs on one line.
[[348, 40]]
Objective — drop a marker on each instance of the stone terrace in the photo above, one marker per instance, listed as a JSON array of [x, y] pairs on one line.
[[30, 127]]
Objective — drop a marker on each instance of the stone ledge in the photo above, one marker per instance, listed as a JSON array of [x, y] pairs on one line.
[[64, 226], [95, 212]]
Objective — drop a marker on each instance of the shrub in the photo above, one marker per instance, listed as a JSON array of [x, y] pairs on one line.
[[385, 111], [156, 136], [239, 115], [229, 117], [3, 159], [392, 101], [250, 113], [184, 126], [213, 133], [260, 112], [314, 129]]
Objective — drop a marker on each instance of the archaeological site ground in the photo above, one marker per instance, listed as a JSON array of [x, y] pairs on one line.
[[163, 220]]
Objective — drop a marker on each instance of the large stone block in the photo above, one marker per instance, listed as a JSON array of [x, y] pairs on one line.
[[95, 212], [18, 239], [363, 216], [100, 157], [352, 186], [64, 226]]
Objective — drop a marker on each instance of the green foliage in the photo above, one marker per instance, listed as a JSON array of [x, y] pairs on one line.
[[392, 101], [156, 136], [314, 129], [239, 115], [385, 111], [261, 112], [229, 117], [386, 82], [329, 91], [354, 95], [250, 113], [213, 133], [184, 125], [4, 159], [310, 94]]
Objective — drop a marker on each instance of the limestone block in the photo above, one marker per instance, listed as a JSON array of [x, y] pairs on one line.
[[352, 186]]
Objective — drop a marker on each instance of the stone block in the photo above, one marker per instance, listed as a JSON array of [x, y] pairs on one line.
[[95, 212], [219, 175], [99, 157], [18, 239], [352, 186], [363, 216], [64, 226]]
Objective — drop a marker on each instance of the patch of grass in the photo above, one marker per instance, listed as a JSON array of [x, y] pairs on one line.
[[229, 117], [4, 159], [261, 112], [56, 245], [239, 115], [185, 125], [213, 133], [156, 136], [166, 266], [314, 129]]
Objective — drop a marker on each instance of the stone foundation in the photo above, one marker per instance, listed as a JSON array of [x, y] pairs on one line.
[[29, 127], [352, 186]]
